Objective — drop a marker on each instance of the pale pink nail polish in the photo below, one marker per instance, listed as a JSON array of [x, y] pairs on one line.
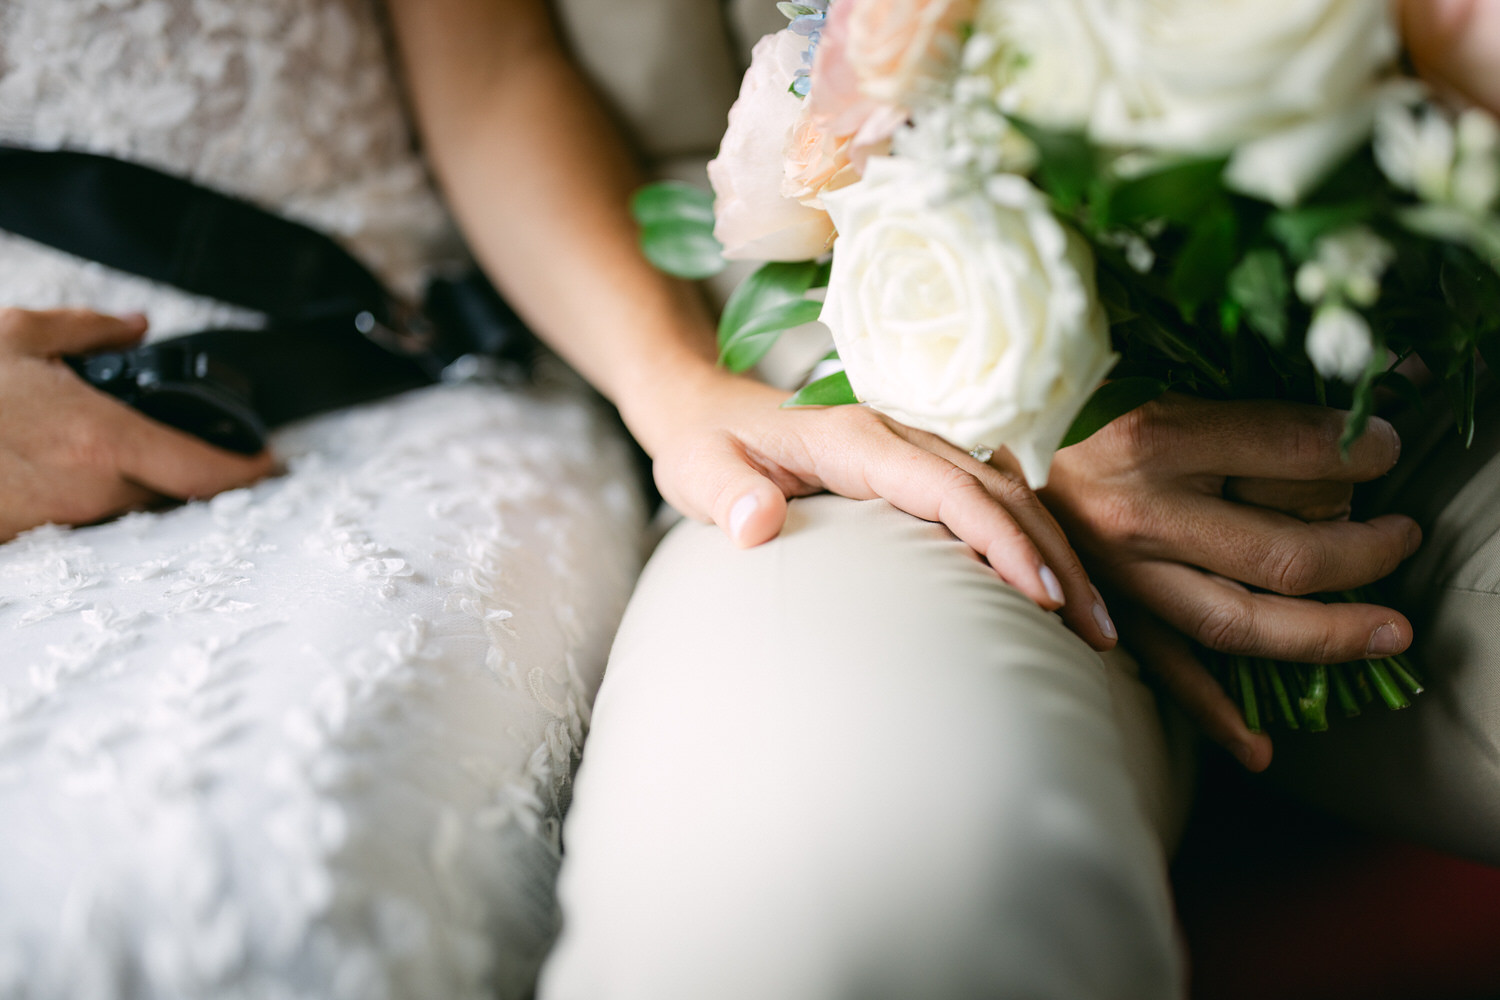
[[1050, 585], [740, 513]]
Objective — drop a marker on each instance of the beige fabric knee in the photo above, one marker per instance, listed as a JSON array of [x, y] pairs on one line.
[[1430, 773], [852, 763]]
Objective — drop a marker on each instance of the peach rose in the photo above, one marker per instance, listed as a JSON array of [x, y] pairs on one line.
[[896, 46], [839, 127], [752, 218]]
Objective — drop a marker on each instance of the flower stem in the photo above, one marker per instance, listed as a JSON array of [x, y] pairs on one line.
[[1246, 675], [1272, 673], [1392, 695], [1341, 690], [1401, 668], [1314, 700]]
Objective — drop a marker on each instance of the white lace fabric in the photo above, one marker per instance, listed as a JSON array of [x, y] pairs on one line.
[[312, 738], [290, 103]]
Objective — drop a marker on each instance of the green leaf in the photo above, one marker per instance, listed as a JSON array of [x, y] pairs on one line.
[[1177, 193], [1299, 229], [1203, 263], [1067, 163], [768, 288], [1109, 402], [1259, 284], [672, 201], [750, 342], [1364, 400], [1489, 349], [792, 11], [682, 249], [831, 390]]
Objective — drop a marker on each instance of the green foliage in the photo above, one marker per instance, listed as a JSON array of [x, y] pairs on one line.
[[1259, 286], [831, 390], [1179, 192], [677, 229], [1299, 229], [1202, 266], [771, 300], [1068, 165], [1109, 402]]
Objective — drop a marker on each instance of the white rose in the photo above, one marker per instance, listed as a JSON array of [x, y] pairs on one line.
[[752, 218], [1285, 86], [1339, 343], [973, 316]]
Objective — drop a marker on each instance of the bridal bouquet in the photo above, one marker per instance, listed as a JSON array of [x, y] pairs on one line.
[[1031, 216]]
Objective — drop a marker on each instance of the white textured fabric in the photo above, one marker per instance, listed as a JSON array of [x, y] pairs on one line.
[[313, 738], [851, 763]]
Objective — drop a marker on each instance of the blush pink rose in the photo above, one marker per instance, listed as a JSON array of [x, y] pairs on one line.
[[839, 127], [896, 46], [753, 219]]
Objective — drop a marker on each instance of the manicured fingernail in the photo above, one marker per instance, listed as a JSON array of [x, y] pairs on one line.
[[1050, 584], [1385, 640], [1101, 616], [740, 513], [1244, 754]]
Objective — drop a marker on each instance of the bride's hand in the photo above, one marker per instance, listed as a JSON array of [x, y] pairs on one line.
[[726, 451], [70, 454], [1182, 506]]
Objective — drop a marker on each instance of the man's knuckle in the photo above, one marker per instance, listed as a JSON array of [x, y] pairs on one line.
[[1122, 520], [1314, 442], [89, 445], [1223, 625], [1296, 566]]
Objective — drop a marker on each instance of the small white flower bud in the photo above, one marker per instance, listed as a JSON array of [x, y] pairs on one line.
[[1339, 343], [1312, 283]]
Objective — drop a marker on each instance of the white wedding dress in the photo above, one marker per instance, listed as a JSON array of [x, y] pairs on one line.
[[311, 738]]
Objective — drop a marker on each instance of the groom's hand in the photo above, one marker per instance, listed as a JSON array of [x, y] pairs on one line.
[[1215, 518]]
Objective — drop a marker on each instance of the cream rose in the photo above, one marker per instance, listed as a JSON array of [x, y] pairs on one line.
[[1287, 86], [753, 219], [973, 316]]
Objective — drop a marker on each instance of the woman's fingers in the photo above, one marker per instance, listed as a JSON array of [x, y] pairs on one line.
[[53, 332], [1165, 653], [1082, 607], [718, 482], [1221, 615]]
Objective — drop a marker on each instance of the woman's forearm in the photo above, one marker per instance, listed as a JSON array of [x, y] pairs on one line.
[[539, 181]]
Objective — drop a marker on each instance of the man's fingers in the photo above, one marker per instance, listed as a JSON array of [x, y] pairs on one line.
[[176, 464], [1456, 42], [1231, 619], [52, 332], [1307, 500], [1166, 654], [1261, 439], [1275, 552]]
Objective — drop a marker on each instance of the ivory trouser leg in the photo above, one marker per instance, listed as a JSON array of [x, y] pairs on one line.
[[1430, 773], [851, 763]]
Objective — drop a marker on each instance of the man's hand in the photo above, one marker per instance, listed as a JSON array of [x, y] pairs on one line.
[[1454, 43], [1213, 518], [72, 455]]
